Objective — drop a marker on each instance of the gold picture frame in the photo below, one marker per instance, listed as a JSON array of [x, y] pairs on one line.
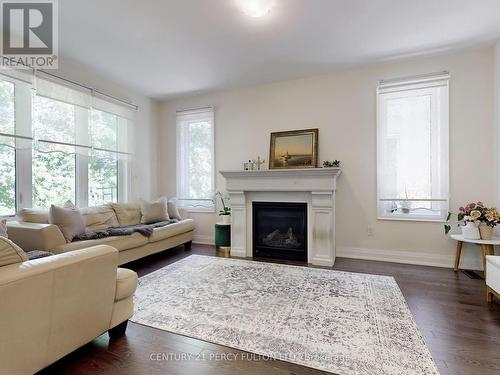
[[294, 149]]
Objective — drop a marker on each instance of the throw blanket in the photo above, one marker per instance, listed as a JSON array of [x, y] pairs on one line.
[[144, 229]]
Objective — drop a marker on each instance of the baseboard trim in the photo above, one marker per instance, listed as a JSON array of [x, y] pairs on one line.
[[406, 257], [203, 240]]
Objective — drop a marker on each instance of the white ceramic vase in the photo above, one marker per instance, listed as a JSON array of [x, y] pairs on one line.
[[226, 219], [470, 231]]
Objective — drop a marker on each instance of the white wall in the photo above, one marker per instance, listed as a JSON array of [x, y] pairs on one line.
[[496, 109], [144, 169], [343, 106]]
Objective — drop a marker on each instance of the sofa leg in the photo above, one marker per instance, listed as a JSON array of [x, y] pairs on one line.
[[187, 245], [118, 331]]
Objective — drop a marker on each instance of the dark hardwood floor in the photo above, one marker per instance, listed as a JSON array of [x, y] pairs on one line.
[[461, 330]]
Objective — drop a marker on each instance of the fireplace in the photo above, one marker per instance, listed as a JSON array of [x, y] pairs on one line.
[[280, 230]]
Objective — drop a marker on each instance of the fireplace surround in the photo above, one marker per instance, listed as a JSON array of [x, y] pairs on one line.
[[279, 230], [314, 186]]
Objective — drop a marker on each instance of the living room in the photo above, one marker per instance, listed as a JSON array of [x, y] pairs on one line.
[[250, 186]]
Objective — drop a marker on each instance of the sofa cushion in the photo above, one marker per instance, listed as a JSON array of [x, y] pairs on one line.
[[171, 230], [118, 242], [68, 219], [173, 211], [154, 211], [10, 253], [127, 213], [33, 215], [126, 283], [99, 217]]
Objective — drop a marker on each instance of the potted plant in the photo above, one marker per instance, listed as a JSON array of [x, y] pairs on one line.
[[225, 212], [475, 220]]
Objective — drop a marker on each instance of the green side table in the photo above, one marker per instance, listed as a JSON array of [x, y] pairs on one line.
[[223, 238]]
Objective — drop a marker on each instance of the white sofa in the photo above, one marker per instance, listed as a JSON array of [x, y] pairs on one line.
[[492, 277], [51, 306], [33, 232]]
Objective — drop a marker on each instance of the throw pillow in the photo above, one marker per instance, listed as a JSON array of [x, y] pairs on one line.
[[173, 212], [155, 211], [3, 228], [127, 213], [33, 215], [68, 219], [10, 253]]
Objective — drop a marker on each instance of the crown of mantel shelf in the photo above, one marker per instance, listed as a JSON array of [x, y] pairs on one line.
[[305, 172]]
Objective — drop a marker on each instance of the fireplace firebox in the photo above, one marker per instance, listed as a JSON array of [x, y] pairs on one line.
[[280, 230]]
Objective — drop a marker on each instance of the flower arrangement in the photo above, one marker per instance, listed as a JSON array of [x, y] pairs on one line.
[[225, 209], [475, 213]]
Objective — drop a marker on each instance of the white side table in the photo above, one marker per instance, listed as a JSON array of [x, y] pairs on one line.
[[486, 247]]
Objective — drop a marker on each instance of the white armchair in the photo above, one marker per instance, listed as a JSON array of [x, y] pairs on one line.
[[492, 277]]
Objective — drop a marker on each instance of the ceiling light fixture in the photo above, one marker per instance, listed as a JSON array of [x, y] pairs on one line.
[[256, 8]]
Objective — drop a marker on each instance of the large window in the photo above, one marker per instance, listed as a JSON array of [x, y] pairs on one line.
[[58, 143], [103, 165], [7, 150], [195, 159], [413, 149], [54, 128]]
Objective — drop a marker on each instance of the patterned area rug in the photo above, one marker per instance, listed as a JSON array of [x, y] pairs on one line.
[[342, 322]]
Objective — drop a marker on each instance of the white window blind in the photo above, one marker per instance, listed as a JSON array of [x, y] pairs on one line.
[[195, 159], [413, 155]]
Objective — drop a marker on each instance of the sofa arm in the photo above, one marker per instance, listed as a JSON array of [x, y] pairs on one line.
[[35, 236], [55, 305]]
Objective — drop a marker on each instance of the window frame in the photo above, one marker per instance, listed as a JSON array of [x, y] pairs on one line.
[[182, 202], [426, 82]]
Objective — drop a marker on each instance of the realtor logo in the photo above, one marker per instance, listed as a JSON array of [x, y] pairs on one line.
[[29, 34]]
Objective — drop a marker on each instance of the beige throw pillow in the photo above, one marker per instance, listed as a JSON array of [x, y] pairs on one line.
[[68, 219], [33, 215], [10, 253], [173, 211], [99, 217], [3, 228], [155, 211], [127, 213]]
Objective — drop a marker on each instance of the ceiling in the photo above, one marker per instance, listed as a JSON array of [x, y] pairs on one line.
[[170, 48]]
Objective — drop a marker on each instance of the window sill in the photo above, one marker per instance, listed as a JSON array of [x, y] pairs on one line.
[[419, 219], [199, 210]]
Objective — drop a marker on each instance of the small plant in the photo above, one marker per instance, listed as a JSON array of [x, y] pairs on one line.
[[331, 164], [473, 213], [225, 209]]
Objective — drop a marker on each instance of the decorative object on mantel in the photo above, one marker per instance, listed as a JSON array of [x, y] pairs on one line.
[[294, 149], [331, 164], [225, 212], [254, 165], [476, 221]]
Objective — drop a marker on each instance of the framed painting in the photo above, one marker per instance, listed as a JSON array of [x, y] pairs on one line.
[[294, 149]]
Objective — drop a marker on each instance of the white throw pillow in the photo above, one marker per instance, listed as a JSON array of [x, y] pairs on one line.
[[155, 211], [173, 211], [3, 228], [127, 213], [10, 253], [33, 215], [68, 219]]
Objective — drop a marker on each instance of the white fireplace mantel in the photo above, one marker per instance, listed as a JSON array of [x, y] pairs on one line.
[[315, 186]]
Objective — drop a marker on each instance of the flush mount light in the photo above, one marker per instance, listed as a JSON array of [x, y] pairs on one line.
[[256, 8]]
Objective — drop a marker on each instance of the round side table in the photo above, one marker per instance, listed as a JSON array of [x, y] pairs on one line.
[[223, 238], [486, 247]]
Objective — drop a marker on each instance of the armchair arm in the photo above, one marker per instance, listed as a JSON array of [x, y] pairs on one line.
[[35, 236], [55, 305]]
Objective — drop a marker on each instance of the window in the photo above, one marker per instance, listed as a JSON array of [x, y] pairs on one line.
[[7, 150], [103, 165], [54, 127], [60, 143], [413, 149], [195, 159]]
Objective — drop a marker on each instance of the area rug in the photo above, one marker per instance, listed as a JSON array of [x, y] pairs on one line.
[[341, 322]]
